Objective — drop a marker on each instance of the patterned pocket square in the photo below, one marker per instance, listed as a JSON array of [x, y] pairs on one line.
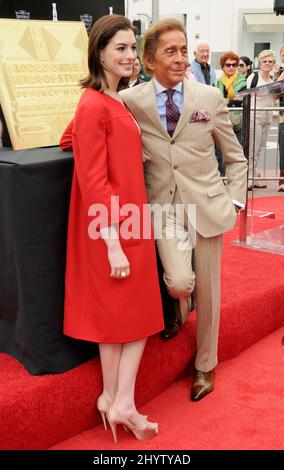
[[201, 115]]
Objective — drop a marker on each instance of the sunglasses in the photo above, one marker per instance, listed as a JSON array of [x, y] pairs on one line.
[[267, 61], [242, 66], [231, 65]]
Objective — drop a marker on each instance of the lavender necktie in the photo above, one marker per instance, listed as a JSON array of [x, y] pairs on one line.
[[172, 112]]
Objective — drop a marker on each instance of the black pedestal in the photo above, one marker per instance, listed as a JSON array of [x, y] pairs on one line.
[[34, 202]]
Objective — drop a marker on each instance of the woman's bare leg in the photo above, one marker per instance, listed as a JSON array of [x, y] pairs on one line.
[[124, 403], [110, 354]]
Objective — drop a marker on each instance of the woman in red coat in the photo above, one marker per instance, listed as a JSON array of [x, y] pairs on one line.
[[112, 292]]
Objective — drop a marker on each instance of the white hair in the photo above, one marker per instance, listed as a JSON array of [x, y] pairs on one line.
[[200, 42], [266, 53]]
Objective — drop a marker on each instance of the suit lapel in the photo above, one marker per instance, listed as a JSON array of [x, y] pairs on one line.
[[189, 105], [148, 101], [147, 96]]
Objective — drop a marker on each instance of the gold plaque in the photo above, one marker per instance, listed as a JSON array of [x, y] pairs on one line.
[[41, 63]]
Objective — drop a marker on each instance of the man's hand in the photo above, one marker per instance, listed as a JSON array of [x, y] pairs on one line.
[[237, 208]]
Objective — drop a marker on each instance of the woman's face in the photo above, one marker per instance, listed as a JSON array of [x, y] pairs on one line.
[[243, 68], [230, 67], [118, 56], [136, 67], [266, 63]]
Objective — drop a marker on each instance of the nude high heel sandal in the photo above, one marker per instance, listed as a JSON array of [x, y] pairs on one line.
[[148, 431], [103, 407]]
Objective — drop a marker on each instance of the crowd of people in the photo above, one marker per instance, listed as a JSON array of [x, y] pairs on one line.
[[238, 75]]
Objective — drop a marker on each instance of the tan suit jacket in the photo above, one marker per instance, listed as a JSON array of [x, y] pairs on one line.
[[187, 160]]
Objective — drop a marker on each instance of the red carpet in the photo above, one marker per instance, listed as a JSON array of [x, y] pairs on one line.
[[275, 203], [38, 412], [245, 411]]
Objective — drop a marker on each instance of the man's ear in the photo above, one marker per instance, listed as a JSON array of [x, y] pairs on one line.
[[150, 63], [194, 53]]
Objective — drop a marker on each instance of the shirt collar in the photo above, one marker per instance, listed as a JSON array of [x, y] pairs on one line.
[[204, 66], [160, 88]]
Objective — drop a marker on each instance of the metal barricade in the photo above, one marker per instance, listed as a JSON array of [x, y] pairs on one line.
[[270, 240]]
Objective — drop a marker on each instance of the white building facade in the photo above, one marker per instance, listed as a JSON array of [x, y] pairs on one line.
[[244, 26]]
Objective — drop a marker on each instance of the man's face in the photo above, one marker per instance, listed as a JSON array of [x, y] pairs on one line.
[[170, 62], [202, 54]]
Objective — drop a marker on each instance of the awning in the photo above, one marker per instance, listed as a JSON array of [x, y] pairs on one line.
[[264, 23]]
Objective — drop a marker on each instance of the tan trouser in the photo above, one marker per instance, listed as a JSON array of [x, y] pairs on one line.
[[180, 279]]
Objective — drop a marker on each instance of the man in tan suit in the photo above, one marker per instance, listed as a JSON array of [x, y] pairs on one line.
[[179, 129]]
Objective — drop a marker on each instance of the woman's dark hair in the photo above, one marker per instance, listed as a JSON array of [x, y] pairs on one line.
[[248, 63], [101, 33]]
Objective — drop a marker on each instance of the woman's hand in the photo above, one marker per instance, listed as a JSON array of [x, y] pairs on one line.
[[276, 71], [119, 263], [145, 157]]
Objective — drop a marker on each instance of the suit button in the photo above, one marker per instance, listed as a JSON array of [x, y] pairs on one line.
[[173, 142], [175, 167], [171, 192]]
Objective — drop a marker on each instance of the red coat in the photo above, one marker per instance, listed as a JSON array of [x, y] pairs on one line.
[[108, 162]]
